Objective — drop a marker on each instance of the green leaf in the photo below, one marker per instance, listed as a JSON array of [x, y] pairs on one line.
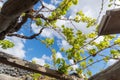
[[49, 41], [63, 67], [36, 76], [79, 71], [115, 53], [47, 65], [117, 41], [62, 49], [75, 2], [92, 52], [103, 44], [90, 61], [110, 5], [33, 61], [58, 61], [6, 44], [54, 56], [80, 13], [92, 35], [89, 73], [23, 14], [53, 51], [111, 0], [106, 58], [83, 64], [76, 46], [38, 21], [69, 56]]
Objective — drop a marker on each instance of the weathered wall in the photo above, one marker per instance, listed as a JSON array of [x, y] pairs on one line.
[[21, 67]]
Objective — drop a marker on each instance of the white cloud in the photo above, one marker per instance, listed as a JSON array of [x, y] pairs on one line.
[[111, 62], [71, 61], [73, 66], [89, 47], [61, 22], [55, 2], [46, 57], [118, 3], [50, 6], [1, 4], [39, 61], [98, 40], [43, 60], [18, 49], [64, 44], [50, 33], [59, 55], [91, 7], [47, 32], [35, 28]]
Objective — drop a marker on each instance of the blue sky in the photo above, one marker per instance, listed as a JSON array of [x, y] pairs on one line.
[[35, 50]]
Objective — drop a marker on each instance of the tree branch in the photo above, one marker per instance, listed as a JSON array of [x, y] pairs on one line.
[[100, 12], [14, 27], [26, 37], [11, 10], [103, 49], [80, 61], [89, 42]]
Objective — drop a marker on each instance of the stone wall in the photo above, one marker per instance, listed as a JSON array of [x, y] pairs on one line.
[[13, 71], [7, 77], [8, 72]]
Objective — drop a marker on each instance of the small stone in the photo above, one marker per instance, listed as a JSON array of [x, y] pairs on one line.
[[29, 78], [13, 74]]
